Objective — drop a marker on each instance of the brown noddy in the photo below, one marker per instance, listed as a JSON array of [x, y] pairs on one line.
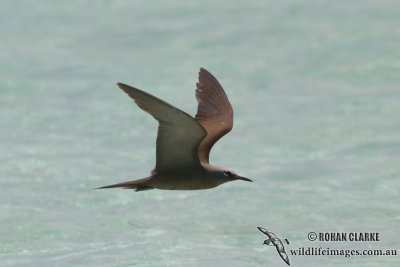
[[183, 142]]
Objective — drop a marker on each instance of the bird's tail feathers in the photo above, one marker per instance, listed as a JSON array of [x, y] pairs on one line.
[[139, 185]]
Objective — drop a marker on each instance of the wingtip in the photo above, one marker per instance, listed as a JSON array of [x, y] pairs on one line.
[[202, 69], [124, 87], [262, 229]]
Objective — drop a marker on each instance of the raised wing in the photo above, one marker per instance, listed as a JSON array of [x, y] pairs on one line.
[[179, 134], [214, 112], [266, 232]]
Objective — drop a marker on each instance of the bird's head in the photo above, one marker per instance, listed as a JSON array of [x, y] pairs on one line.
[[267, 242], [229, 175]]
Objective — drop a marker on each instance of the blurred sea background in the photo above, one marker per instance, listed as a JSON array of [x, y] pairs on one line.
[[315, 90]]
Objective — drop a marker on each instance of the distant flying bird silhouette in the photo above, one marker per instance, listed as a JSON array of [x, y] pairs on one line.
[[275, 241], [183, 142]]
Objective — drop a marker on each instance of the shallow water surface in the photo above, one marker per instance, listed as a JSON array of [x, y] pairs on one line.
[[315, 89]]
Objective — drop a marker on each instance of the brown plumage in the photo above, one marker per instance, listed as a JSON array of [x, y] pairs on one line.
[[214, 112], [183, 143]]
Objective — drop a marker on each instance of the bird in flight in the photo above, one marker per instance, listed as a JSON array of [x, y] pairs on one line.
[[183, 142], [273, 240]]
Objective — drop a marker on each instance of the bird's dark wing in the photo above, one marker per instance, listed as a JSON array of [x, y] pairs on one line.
[[282, 254], [265, 231], [214, 112], [179, 134]]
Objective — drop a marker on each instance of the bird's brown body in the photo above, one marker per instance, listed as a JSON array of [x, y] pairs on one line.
[[185, 181], [184, 142]]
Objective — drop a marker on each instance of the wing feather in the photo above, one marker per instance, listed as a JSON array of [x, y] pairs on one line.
[[179, 134], [214, 112]]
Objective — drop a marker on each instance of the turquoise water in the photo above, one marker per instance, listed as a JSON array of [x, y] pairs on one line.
[[315, 89]]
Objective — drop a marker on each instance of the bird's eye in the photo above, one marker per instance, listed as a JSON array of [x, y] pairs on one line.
[[227, 173]]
